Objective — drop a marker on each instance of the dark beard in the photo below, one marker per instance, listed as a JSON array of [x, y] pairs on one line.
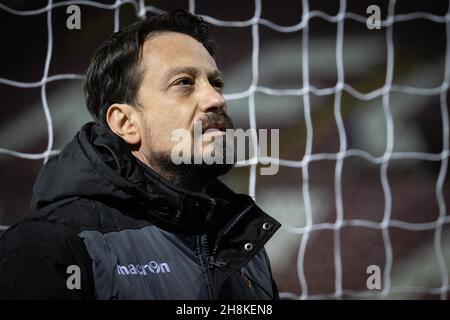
[[198, 176], [189, 176]]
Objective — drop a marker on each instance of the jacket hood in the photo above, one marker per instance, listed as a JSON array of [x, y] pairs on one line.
[[97, 164]]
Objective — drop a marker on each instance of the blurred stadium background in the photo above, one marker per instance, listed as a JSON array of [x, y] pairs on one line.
[[367, 183]]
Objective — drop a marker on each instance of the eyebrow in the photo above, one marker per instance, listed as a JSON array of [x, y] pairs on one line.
[[216, 73]]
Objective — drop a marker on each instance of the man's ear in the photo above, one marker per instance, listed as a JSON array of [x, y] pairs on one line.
[[123, 121]]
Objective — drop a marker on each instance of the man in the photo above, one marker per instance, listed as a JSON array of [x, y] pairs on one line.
[[114, 217]]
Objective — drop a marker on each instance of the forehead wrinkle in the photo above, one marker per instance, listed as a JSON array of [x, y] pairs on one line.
[[156, 54]]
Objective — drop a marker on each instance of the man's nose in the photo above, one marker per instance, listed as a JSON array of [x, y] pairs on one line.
[[210, 99]]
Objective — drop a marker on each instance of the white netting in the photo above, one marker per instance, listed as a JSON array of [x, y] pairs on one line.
[[304, 92]]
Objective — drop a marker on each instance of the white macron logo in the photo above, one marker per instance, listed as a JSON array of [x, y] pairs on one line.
[[143, 269]]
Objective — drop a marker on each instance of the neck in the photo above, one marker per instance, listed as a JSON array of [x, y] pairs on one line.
[[186, 178]]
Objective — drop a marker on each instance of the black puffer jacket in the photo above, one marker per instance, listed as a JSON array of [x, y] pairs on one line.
[[132, 234]]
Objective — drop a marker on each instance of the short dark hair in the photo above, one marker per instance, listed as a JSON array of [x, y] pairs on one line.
[[114, 74]]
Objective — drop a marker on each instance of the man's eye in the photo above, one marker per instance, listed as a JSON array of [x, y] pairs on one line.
[[218, 84], [184, 82]]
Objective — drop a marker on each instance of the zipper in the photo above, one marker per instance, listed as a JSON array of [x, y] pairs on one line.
[[209, 273], [204, 256], [247, 281]]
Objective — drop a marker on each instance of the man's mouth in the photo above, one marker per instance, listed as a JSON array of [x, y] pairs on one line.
[[214, 128]]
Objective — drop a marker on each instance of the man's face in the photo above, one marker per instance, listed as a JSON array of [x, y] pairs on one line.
[[181, 85]]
